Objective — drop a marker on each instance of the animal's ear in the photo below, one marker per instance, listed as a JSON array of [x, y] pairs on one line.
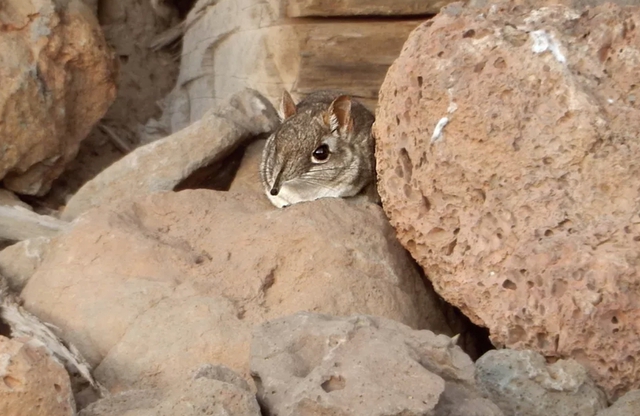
[[339, 115], [287, 106]]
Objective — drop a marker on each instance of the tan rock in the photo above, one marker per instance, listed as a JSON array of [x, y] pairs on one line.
[[300, 8], [58, 79], [174, 280], [213, 390], [93, 5], [33, 384], [23, 325], [234, 44], [508, 163], [247, 177]]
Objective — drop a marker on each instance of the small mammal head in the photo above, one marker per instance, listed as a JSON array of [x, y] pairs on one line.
[[323, 148]]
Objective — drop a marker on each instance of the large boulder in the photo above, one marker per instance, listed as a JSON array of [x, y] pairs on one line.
[[150, 288], [508, 161], [58, 79]]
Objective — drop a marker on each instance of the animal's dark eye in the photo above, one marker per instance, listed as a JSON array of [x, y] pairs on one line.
[[321, 154]]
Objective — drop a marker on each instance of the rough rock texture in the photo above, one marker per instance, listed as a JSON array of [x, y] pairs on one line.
[[161, 165], [524, 208], [33, 384], [20, 324], [92, 4], [19, 261], [298, 8], [122, 281], [58, 79], [213, 390], [127, 403], [625, 406], [233, 44], [146, 75], [522, 383], [311, 364]]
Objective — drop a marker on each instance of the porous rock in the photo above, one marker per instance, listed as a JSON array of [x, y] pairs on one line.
[[19, 261], [522, 383], [163, 164], [58, 79], [150, 287], [212, 390], [33, 383], [508, 163], [312, 364]]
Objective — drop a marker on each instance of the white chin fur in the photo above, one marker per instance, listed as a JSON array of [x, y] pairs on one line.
[[289, 195], [277, 200]]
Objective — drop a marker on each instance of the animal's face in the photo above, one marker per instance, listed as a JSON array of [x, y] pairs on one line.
[[309, 157]]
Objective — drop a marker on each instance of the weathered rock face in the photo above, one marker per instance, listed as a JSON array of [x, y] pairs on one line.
[[149, 289], [235, 44], [58, 79], [508, 163], [521, 382], [213, 390], [146, 75], [310, 364], [32, 382]]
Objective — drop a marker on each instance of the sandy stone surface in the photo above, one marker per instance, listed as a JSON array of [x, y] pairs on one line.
[[149, 289]]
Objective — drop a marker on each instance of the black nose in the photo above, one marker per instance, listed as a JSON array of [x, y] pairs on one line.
[[274, 191]]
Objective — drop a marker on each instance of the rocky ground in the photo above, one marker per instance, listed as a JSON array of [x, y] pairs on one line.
[[144, 272]]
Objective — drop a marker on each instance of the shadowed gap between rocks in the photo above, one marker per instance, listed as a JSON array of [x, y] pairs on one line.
[[183, 6], [219, 175], [474, 339]]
